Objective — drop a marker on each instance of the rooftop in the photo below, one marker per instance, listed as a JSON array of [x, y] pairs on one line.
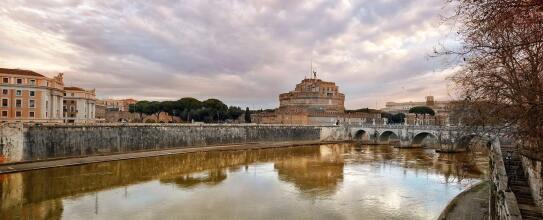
[[73, 88], [20, 72]]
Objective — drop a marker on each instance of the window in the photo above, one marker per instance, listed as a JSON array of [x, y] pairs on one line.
[[31, 114], [18, 103], [19, 81], [19, 93], [18, 114], [32, 93], [32, 103], [47, 104], [5, 102], [32, 82], [5, 80], [4, 91], [72, 94], [4, 114]]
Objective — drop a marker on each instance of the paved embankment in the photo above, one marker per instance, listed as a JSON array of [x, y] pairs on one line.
[[472, 204], [25, 166]]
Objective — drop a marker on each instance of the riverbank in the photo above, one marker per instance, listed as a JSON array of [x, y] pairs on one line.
[[472, 204], [26, 166]]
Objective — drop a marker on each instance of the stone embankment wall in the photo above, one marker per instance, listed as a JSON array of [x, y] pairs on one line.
[[503, 203], [30, 143], [11, 140], [533, 170]]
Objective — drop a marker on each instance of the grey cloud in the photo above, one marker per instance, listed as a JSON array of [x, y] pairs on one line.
[[243, 51]]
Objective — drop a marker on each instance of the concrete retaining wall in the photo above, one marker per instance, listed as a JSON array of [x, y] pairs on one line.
[[60, 141]]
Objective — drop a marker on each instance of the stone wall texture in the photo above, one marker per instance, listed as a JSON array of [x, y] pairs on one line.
[[532, 167], [59, 141], [11, 142], [503, 203]]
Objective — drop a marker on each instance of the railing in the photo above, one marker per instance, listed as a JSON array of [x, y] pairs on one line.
[[401, 126]]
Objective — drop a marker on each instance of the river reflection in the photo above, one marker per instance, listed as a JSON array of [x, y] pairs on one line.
[[343, 181]]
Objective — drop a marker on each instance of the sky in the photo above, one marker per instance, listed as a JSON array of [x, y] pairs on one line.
[[243, 52]]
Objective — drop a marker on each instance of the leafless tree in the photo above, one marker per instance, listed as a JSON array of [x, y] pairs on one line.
[[501, 78]]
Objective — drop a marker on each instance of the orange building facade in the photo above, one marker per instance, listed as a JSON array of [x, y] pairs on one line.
[[28, 96]]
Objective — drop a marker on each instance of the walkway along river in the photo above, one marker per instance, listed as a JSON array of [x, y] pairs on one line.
[[335, 181]]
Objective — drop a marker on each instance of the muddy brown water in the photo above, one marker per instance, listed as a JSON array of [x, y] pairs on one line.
[[336, 181]]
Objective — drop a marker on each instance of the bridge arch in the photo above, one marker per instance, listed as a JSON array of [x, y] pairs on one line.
[[388, 136], [361, 135], [122, 120], [424, 139]]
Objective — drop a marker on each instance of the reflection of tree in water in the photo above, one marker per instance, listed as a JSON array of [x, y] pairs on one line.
[[211, 177], [457, 167], [316, 175]]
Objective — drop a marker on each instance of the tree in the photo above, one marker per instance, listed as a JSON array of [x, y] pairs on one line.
[[422, 110], [215, 109], [234, 112], [187, 107], [170, 108], [247, 115], [501, 78], [398, 118], [140, 107]]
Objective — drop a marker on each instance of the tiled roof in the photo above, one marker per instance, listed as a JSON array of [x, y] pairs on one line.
[[74, 88], [20, 72]]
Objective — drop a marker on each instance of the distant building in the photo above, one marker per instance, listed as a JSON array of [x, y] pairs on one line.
[[27, 96], [314, 102], [441, 108], [79, 105], [122, 105], [403, 107]]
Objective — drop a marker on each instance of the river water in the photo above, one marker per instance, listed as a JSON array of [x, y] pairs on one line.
[[339, 181]]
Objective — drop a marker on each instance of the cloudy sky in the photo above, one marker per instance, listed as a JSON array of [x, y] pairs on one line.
[[242, 52]]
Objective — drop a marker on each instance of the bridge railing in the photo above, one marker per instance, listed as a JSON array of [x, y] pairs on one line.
[[402, 126]]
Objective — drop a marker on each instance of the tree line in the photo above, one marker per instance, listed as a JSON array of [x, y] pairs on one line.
[[189, 109]]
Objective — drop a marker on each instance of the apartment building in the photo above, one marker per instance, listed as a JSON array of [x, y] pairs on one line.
[[79, 105], [27, 96]]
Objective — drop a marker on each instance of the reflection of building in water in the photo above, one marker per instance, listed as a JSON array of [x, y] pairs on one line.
[[12, 203], [211, 177], [318, 174], [40, 189], [314, 171]]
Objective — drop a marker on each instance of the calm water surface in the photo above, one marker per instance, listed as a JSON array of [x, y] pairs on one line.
[[344, 181]]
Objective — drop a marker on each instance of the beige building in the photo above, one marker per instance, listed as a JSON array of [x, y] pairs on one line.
[[122, 105], [403, 107], [314, 102], [441, 108], [79, 105], [27, 96]]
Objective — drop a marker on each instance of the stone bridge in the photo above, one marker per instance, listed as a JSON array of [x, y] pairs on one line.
[[445, 138]]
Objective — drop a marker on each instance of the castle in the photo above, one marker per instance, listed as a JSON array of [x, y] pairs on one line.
[[314, 102]]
